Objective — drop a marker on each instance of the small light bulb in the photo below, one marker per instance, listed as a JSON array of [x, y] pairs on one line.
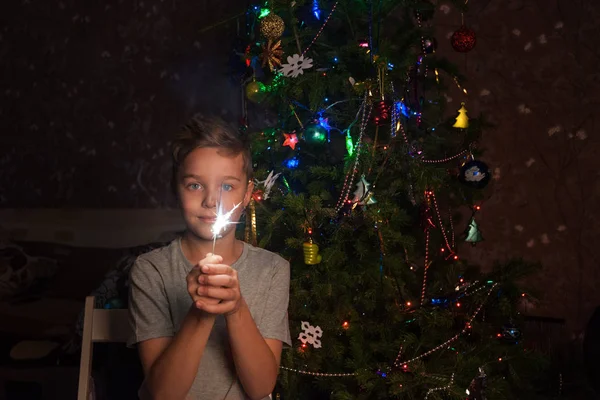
[[408, 304], [457, 304]]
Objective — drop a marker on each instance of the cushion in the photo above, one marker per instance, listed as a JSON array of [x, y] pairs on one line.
[[32, 349], [22, 274]]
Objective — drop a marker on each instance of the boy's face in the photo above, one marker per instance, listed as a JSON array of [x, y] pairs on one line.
[[204, 177]]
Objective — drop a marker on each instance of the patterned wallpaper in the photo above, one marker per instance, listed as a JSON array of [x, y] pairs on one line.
[[534, 75], [92, 92]]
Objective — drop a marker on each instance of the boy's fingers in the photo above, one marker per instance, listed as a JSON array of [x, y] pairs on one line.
[[217, 293], [217, 280], [217, 269], [211, 259]]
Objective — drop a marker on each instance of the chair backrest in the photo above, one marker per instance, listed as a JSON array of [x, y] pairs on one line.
[[99, 325]]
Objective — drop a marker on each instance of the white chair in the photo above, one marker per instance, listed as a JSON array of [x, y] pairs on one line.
[[99, 325]]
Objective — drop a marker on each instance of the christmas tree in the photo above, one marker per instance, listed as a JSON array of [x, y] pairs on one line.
[[355, 186]]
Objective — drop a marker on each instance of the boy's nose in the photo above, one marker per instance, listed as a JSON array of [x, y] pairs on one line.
[[210, 200]]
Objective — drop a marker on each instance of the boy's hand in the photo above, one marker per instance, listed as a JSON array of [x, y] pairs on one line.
[[219, 281], [193, 280]]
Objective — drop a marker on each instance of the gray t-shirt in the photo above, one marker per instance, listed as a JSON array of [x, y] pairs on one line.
[[159, 301]]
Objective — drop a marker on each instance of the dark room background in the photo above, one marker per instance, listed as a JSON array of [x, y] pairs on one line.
[[92, 91]]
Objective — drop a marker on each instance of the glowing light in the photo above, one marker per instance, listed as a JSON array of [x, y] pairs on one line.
[[349, 144], [315, 9], [222, 222], [292, 163], [408, 304], [346, 325], [264, 12]]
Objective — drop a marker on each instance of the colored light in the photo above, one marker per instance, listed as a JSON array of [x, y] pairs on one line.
[[292, 163], [264, 12]]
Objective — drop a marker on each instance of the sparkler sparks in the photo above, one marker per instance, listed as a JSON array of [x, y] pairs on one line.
[[222, 222]]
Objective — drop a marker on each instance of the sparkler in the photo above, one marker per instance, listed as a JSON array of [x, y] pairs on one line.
[[222, 221]]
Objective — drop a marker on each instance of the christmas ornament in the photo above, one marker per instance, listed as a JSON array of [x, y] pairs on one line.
[[256, 91], [474, 236], [271, 54], [257, 195], [250, 231], [363, 195], [272, 26], [311, 253], [267, 184], [315, 133], [462, 121], [311, 335], [476, 390], [382, 112], [429, 45], [295, 66], [511, 333], [474, 174], [290, 140], [463, 40]]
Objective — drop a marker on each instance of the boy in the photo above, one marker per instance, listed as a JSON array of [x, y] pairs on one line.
[[209, 326]]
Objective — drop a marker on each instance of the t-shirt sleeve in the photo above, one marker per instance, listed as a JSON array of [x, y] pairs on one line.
[[275, 324], [149, 315]]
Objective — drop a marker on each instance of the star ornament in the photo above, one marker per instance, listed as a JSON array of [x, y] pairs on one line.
[[271, 55], [290, 140]]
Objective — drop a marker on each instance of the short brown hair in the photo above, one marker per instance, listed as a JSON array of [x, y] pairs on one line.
[[209, 131]]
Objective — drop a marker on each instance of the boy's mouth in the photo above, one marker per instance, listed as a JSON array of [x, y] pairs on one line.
[[208, 220]]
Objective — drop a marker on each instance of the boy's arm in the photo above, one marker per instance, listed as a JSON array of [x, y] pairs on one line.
[[256, 358], [171, 364]]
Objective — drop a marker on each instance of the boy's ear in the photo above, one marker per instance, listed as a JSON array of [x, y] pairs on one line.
[[248, 195]]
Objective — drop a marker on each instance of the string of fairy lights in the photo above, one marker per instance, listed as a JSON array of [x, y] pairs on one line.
[[397, 127]]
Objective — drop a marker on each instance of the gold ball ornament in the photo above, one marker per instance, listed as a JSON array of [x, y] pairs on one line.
[[256, 91], [311, 254], [272, 26]]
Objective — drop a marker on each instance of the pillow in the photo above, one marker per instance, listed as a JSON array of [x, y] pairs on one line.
[[22, 274]]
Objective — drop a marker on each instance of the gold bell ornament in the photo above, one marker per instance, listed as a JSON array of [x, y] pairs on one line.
[[311, 253]]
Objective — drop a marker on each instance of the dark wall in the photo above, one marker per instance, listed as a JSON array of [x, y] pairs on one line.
[[92, 92]]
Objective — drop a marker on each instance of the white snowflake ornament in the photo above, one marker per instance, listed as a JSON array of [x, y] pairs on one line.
[[310, 334], [296, 65], [363, 195], [267, 184]]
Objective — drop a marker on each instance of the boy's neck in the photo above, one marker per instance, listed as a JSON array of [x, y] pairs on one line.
[[195, 249]]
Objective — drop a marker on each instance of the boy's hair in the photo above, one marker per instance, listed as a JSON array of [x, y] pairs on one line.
[[209, 131]]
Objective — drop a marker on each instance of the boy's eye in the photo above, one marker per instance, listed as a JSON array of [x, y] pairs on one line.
[[227, 187], [194, 186]]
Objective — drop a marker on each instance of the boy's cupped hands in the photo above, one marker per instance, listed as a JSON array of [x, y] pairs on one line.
[[214, 287]]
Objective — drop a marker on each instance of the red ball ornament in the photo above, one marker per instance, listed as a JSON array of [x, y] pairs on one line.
[[463, 40], [382, 112]]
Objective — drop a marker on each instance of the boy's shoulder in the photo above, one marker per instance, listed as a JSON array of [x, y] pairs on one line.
[[159, 257]]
